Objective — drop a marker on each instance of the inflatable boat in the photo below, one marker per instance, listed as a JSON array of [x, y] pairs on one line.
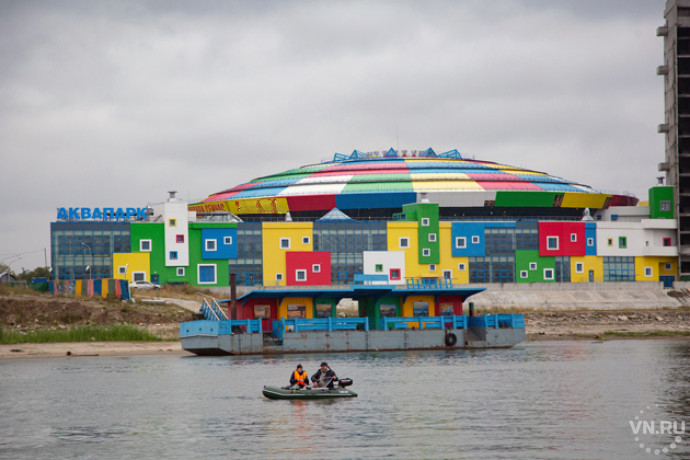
[[310, 393]]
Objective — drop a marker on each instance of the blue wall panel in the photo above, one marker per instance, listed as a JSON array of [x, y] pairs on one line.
[[223, 249], [468, 230]]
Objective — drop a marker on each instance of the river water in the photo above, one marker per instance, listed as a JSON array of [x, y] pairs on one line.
[[543, 400]]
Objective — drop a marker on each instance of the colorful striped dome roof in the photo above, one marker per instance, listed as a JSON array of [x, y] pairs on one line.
[[363, 181]]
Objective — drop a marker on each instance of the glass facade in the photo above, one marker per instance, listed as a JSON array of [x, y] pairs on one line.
[[83, 250], [248, 265], [619, 269], [346, 241]]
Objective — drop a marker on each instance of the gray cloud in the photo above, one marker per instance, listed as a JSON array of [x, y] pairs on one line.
[[113, 103]]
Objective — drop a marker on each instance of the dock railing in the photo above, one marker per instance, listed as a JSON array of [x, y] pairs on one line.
[[498, 321], [320, 324], [211, 310], [425, 322]]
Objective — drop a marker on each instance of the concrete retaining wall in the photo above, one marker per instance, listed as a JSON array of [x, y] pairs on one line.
[[573, 296]]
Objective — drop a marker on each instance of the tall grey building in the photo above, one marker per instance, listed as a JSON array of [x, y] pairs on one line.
[[676, 127]]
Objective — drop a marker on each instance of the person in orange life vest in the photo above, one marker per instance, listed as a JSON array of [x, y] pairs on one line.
[[299, 378]]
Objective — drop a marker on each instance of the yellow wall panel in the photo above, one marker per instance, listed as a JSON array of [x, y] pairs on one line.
[[583, 200], [134, 262], [307, 302], [594, 263], [274, 255], [277, 205]]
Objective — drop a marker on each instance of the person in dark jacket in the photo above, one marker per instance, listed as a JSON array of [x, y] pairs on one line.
[[324, 377], [299, 378]]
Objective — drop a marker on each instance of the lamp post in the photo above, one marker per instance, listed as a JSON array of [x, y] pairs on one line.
[[88, 267], [13, 258]]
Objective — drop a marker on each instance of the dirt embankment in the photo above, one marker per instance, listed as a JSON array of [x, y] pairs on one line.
[[28, 312], [545, 325]]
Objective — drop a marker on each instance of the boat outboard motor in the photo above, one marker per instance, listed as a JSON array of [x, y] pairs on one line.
[[342, 383]]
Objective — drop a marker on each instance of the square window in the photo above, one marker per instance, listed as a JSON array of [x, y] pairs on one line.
[[432, 267], [300, 275], [667, 241], [667, 266], [648, 271], [579, 267], [590, 241], [447, 274], [285, 243], [573, 237], [180, 271], [395, 274], [432, 237], [379, 268], [665, 205], [532, 265], [172, 222], [426, 252], [523, 273], [227, 240], [552, 243], [279, 277], [173, 255], [306, 240], [210, 245], [475, 239], [461, 267], [404, 242], [622, 242], [145, 245], [206, 274], [122, 270], [316, 268], [425, 221], [179, 239], [460, 242], [548, 273]]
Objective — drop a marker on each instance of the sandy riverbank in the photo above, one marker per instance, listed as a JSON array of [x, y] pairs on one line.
[[81, 349]]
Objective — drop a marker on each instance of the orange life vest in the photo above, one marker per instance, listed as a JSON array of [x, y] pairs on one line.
[[302, 378]]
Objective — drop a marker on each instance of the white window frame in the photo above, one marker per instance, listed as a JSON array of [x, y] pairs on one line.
[[143, 276], [668, 266], [573, 237], [475, 239], [301, 275], [590, 241], [284, 241], [449, 273], [404, 242], [426, 252], [461, 267], [648, 272], [425, 222], [279, 277], [579, 267], [523, 274], [306, 240], [432, 237], [211, 245], [549, 270], [227, 240], [141, 245], [215, 274], [550, 239], [180, 271], [122, 270], [532, 265], [316, 268], [460, 242], [432, 267]]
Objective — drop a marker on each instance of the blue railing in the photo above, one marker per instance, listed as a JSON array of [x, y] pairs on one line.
[[428, 283], [222, 327], [368, 279], [212, 311], [320, 324], [498, 321], [425, 322]]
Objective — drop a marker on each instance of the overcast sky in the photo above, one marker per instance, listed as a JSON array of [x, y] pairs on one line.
[[112, 104]]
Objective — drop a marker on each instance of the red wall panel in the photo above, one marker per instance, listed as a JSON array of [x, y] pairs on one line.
[[303, 260]]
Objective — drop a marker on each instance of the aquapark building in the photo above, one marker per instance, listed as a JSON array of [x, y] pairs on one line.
[[388, 217]]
